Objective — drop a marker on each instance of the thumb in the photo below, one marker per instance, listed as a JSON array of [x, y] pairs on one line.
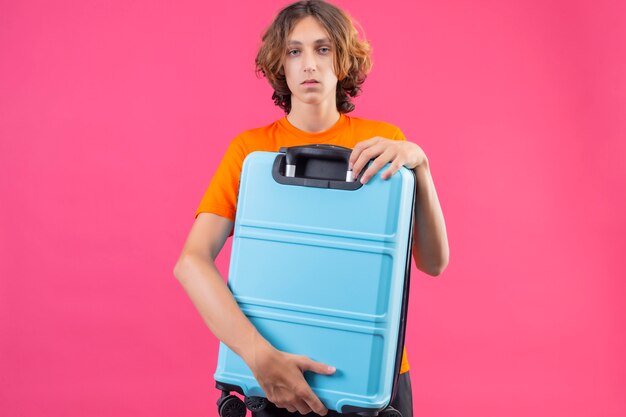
[[317, 367]]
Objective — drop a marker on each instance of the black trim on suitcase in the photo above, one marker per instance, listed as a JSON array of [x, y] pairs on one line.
[[228, 387]]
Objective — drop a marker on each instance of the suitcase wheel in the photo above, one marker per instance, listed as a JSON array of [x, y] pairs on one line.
[[231, 406], [256, 404], [389, 412]]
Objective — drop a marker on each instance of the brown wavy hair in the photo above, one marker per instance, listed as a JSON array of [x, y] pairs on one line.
[[351, 56]]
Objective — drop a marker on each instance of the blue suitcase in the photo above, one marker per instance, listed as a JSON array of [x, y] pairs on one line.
[[320, 264]]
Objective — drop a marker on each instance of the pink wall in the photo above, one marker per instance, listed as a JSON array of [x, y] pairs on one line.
[[114, 115]]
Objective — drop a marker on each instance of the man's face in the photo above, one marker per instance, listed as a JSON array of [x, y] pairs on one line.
[[309, 56]]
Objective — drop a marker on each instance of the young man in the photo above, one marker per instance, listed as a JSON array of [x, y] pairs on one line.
[[312, 57]]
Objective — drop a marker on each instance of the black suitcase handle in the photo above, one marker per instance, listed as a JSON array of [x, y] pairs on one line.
[[301, 154], [332, 152], [320, 165]]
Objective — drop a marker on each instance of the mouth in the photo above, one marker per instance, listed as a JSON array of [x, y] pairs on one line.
[[310, 82]]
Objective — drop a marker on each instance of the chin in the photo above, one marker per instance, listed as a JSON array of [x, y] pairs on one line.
[[309, 100]]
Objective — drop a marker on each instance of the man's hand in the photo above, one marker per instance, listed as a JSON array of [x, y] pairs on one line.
[[382, 150], [280, 375]]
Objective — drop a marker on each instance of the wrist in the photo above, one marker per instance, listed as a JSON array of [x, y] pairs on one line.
[[257, 346], [423, 167]]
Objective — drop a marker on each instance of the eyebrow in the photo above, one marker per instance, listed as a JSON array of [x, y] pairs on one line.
[[317, 42]]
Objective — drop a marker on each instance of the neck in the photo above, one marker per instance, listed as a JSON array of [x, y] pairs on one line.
[[313, 118]]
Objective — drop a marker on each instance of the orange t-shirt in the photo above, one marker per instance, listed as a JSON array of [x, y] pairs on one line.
[[221, 195]]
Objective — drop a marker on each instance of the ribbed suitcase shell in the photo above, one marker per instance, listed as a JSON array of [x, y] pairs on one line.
[[323, 273]]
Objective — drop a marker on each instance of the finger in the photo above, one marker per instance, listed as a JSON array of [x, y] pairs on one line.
[[314, 403], [279, 404], [395, 166], [365, 156], [285, 406], [302, 406], [359, 147], [376, 166], [307, 364]]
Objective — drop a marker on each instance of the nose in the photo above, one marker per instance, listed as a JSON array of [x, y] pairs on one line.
[[309, 62]]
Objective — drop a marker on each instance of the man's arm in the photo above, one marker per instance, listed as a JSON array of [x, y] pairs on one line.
[[280, 374], [197, 273], [430, 241]]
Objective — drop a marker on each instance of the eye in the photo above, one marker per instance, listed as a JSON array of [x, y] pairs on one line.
[[324, 50], [291, 52]]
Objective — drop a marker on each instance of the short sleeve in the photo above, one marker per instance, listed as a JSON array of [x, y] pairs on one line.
[[398, 135], [220, 196]]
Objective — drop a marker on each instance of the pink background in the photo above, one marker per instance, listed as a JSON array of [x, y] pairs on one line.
[[114, 115]]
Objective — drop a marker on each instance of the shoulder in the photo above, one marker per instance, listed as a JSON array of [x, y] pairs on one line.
[[377, 128], [256, 138]]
